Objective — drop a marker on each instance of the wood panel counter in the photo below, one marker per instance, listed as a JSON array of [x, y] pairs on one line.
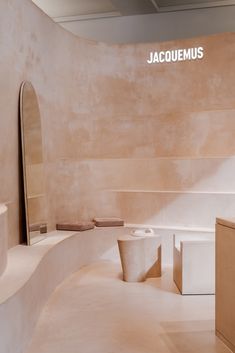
[[225, 281]]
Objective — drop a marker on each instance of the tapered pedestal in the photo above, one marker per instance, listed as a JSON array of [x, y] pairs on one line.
[[140, 257]]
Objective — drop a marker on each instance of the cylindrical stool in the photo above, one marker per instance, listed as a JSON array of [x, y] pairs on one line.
[[140, 257]]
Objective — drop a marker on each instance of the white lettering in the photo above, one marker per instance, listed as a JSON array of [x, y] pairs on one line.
[[161, 56], [175, 55], [168, 56], [180, 54], [194, 53], [155, 58], [187, 54], [200, 53], [150, 60]]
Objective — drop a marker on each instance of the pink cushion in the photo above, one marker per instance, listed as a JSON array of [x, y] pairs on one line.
[[41, 227], [79, 226], [108, 222]]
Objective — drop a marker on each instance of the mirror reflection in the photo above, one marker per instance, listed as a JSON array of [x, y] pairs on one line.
[[33, 167]]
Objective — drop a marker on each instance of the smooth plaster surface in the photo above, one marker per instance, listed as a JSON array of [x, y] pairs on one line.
[[32, 274], [110, 122], [95, 311]]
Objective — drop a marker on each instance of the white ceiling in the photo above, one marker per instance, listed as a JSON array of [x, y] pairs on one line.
[[74, 10], [60, 8]]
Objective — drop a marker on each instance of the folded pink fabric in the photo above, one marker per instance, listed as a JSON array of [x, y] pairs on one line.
[[108, 222], [78, 226], [41, 227]]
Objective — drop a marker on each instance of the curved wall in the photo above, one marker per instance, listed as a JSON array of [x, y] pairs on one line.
[[61, 67], [121, 138], [158, 148]]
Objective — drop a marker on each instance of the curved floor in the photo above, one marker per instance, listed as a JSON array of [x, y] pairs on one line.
[[95, 311]]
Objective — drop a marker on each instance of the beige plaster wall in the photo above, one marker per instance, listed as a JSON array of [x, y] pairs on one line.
[[115, 130], [156, 143], [34, 48]]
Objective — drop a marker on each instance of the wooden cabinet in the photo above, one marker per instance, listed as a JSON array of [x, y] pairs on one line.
[[225, 281]]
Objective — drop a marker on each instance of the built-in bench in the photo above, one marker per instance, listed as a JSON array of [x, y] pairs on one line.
[[33, 273]]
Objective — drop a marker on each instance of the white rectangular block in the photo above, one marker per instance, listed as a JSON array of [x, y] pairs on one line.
[[194, 266]]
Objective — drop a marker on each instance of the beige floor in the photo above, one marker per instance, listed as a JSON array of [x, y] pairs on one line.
[[93, 311]]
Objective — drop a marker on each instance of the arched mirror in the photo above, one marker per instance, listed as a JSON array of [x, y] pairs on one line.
[[33, 167]]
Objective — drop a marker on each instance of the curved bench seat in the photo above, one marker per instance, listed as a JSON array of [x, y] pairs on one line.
[[34, 272]]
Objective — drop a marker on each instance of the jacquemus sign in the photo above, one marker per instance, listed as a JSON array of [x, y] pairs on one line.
[[158, 57]]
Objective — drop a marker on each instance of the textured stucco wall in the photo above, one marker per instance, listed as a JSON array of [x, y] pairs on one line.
[[34, 48], [118, 133], [153, 146]]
